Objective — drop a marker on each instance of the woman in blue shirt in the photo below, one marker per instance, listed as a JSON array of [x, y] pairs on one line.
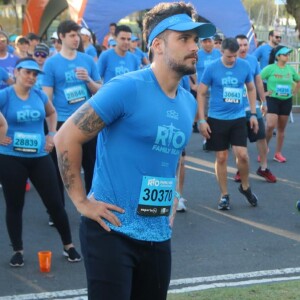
[[24, 153]]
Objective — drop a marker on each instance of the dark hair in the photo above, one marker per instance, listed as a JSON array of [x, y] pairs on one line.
[[24, 59], [66, 27], [23, 40], [271, 33], [242, 37], [272, 57], [162, 11], [230, 44], [113, 24], [122, 28]]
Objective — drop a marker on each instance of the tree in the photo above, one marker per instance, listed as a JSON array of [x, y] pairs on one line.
[[293, 8]]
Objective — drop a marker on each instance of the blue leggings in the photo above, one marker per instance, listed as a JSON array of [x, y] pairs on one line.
[[118, 267], [14, 172]]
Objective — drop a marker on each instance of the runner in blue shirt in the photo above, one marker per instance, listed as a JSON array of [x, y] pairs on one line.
[[70, 79], [262, 53], [127, 217], [89, 48], [261, 110], [24, 153], [134, 49], [226, 123], [119, 60]]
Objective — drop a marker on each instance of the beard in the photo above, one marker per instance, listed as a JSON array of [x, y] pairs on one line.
[[182, 68]]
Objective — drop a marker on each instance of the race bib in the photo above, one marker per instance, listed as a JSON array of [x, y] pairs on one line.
[[232, 95], [76, 94], [283, 90], [156, 196], [27, 142]]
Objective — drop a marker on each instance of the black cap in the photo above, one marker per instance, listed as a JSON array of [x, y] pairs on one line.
[[217, 37], [32, 36], [22, 40]]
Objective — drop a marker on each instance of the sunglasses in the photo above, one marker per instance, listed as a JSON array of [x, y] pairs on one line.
[[40, 54], [278, 37]]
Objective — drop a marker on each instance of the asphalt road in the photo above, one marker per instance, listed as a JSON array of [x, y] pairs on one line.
[[206, 242]]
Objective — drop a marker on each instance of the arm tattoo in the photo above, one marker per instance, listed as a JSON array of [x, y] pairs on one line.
[[65, 166], [87, 120]]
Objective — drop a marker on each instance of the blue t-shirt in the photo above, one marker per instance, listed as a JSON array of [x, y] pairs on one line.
[[91, 50], [205, 59], [69, 93], [255, 70], [8, 63], [227, 88], [145, 134], [3, 75], [25, 120], [110, 64], [262, 53], [139, 54], [185, 82]]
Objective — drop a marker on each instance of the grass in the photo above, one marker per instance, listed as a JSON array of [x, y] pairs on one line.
[[275, 291]]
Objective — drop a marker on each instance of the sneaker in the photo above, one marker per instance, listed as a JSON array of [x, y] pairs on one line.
[[17, 260], [51, 223], [181, 206], [267, 174], [72, 255], [195, 127], [251, 197], [27, 187], [279, 157], [298, 205], [237, 177], [224, 203]]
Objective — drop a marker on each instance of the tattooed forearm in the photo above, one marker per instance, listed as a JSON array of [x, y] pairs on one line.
[[87, 120], [65, 170]]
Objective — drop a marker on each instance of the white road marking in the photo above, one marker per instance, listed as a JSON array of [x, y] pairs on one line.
[[209, 282]]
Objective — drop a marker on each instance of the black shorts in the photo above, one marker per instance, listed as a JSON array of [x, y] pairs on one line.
[[225, 133], [279, 107], [260, 135]]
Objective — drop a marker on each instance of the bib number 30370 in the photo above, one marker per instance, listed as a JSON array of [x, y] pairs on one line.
[[156, 196]]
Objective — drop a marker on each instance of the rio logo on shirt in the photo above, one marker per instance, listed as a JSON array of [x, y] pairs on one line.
[[169, 140], [28, 115]]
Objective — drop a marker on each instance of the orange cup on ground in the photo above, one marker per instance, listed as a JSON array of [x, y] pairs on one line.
[[45, 261]]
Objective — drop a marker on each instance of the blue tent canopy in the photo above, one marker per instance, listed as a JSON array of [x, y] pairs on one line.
[[228, 16]]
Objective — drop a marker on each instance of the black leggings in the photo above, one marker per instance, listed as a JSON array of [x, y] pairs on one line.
[[14, 172], [88, 163], [118, 267]]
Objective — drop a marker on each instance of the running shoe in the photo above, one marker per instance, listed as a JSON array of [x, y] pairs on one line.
[[237, 177], [224, 203], [279, 157], [27, 187], [17, 260], [51, 223], [251, 197], [181, 206], [298, 205], [72, 255], [267, 174]]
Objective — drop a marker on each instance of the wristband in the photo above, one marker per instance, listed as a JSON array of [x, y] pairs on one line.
[[202, 121], [177, 195], [51, 133], [88, 81]]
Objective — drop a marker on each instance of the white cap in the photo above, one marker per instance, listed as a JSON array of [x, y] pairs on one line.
[[85, 31], [54, 35]]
